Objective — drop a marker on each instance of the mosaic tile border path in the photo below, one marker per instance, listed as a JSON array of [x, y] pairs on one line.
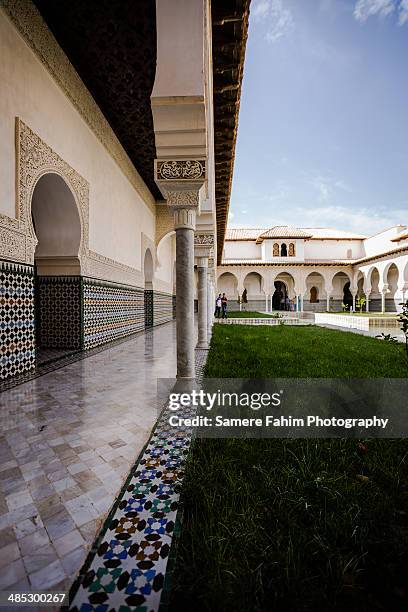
[[126, 568]]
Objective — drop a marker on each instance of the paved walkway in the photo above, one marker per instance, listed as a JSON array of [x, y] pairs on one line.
[[68, 440]]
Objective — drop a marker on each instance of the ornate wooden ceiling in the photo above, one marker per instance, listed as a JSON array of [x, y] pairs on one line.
[[230, 31], [112, 45]]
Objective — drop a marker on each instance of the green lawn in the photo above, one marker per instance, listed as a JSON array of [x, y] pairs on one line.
[[295, 525], [289, 351], [248, 314]]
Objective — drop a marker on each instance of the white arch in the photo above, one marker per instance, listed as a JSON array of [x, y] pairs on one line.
[[57, 225], [148, 269]]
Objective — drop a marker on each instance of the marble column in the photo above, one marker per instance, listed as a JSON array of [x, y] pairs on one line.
[[328, 303], [210, 304], [184, 222], [266, 302], [383, 302], [202, 265]]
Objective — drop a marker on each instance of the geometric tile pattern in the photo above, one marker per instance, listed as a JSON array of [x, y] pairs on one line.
[[162, 307], [110, 312], [17, 339], [148, 306], [127, 569], [58, 311]]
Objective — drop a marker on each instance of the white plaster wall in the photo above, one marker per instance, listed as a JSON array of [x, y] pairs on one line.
[[333, 249], [180, 28], [166, 254], [117, 213], [242, 250], [380, 243]]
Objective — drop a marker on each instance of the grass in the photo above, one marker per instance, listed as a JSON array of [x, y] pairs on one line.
[[249, 314], [299, 352], [295, 525]]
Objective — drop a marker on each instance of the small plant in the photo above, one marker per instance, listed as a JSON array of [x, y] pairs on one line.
[[387, 338], [277, 315], [403, 319], [344, 307], [361, 302]]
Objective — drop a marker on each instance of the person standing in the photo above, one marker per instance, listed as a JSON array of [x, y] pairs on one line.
[[224, 302], [218, 303]]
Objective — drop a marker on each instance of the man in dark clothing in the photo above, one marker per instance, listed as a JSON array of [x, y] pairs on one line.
[[224, 302]]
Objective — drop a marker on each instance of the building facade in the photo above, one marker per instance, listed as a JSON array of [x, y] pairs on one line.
[[315, 269]]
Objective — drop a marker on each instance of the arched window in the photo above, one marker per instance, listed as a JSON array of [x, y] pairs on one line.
[[284, 250], [291, 250], [276, 250], [314, 295]]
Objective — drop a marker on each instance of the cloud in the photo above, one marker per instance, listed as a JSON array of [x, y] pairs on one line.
[[327, 187], [362, 220], [279, 20], [366, 8], [403, 12]]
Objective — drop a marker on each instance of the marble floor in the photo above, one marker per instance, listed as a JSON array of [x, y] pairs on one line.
[[67, 442]]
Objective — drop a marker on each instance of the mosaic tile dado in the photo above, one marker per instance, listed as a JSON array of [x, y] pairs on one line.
[[17, 345], [110, 312], [162, 307], [58, 311], [126, 569]]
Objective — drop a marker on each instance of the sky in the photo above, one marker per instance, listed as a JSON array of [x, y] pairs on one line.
[[323, 125]]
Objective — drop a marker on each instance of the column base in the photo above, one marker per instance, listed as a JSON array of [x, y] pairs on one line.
[[202, 345]]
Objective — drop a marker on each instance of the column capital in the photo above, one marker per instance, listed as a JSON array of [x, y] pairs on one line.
[[204, 245], [202, 262], [180, 180]]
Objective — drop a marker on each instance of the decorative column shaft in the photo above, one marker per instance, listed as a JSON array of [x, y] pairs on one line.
[[180, 182], [202, 266], [204, 250], [328, 303], [184, 222]]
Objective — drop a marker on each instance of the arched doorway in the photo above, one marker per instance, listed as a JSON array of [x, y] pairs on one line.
[[148, 288], [57, 225], [342, 297], [392, 301], [279, 296], [347, 296], [314, 295]]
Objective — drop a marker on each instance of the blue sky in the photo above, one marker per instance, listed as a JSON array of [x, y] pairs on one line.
[[323, 127]]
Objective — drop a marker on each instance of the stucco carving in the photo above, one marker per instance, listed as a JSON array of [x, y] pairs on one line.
[[180, 169], [12, 244], [204, 239], [35, 33], [182, 199], [34, 158]]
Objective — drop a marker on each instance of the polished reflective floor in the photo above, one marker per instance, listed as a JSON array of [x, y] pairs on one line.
[[67, 442]]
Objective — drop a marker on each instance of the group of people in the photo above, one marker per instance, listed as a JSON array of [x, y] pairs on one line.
[[221, 306], [286, 303]]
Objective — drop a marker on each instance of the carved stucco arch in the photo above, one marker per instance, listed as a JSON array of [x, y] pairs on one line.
[[34, 160]]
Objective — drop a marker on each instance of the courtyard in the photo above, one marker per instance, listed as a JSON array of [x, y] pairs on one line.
[[294, 524]]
